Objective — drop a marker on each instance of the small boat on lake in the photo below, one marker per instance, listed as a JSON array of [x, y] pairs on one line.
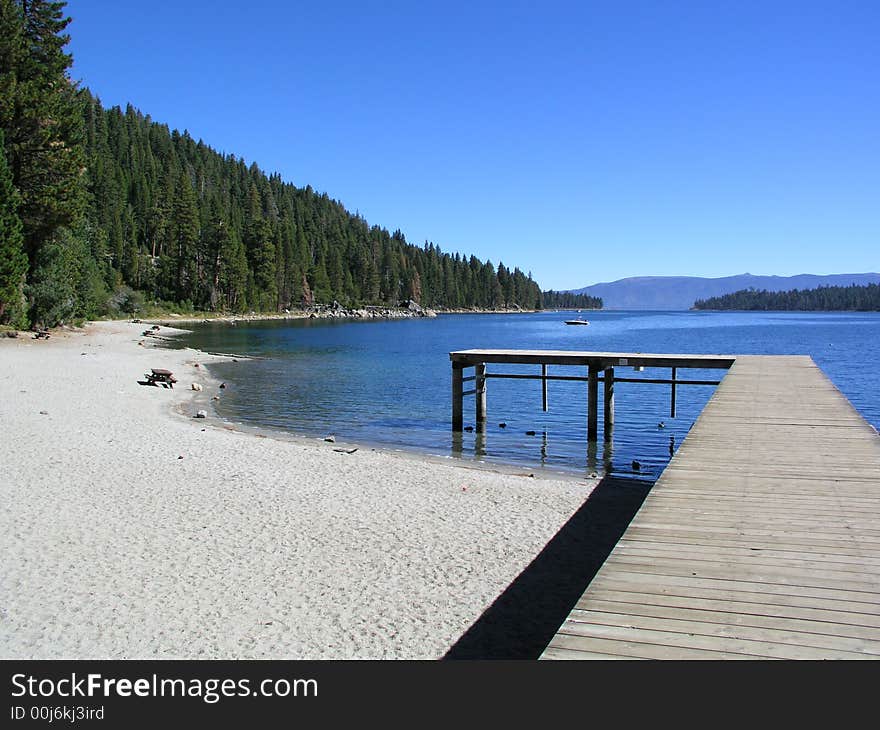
[[576, 321]]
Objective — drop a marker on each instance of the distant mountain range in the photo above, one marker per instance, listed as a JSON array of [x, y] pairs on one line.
[[680, 292]]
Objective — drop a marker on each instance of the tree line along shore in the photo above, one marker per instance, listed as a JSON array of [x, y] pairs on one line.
[[854, 298], [108, 212]]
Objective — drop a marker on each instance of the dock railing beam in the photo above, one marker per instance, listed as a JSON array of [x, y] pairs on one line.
[[544, 386], [672, 402], [593, 404], [609, 403]]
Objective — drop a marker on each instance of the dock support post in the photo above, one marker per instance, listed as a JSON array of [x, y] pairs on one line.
[[480, 395], [672, 404], [609, 403], [457, 397], [593, 404], [544, 386]]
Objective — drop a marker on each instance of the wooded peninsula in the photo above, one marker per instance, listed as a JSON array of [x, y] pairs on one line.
[[855, 298], [104, 212]]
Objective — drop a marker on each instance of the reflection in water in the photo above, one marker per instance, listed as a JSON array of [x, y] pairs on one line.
[[480, 443], [599, 459], [594, 464], [458, 446], [457, 443], [607, 454], [592, 456]]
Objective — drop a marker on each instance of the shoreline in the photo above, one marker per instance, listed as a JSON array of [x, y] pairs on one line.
[[283, 435], [136, 531], [296, 314], [326, 312]]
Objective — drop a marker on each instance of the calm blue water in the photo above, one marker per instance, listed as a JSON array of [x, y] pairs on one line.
[[388, 382]]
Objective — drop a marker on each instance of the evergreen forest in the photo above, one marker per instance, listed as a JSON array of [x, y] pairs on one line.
[[856, 298], [570, 300], [104, 211]]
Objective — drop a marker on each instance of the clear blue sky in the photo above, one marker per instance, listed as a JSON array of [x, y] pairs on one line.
[[583, 141]]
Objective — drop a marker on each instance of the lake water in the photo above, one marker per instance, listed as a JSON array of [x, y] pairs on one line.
[[388, 383]]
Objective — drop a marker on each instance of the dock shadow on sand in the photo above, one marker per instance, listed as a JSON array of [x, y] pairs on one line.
[[525, 617]]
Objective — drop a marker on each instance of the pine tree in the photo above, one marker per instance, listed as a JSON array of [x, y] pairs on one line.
[[415, 292], [185, 237], [323, 292], [265, 296], [42, 116], [13, 260], [232, 271]]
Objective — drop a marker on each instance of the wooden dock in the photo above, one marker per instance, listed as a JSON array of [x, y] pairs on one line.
[[599, 367], [760, 540]]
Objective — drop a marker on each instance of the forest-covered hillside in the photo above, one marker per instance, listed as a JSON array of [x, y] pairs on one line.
[[824, 298], [105, 209], [177, 219], [570, 300]]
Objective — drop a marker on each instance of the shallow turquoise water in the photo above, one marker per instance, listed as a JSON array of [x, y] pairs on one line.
[[388, 382]]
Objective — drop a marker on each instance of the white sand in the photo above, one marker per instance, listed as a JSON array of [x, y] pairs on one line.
[[114, 547]]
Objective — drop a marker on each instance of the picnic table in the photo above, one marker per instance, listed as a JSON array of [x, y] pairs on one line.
[[160, 375]]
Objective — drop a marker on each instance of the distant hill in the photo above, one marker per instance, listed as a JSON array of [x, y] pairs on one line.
[[680, 292]]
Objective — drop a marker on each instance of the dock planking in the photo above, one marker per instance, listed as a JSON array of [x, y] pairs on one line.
[[760, 540]]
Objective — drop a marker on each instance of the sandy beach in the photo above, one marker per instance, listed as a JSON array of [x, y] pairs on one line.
[[130, 529]]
